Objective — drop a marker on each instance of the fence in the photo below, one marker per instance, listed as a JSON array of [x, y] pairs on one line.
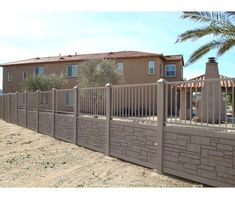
[[181, 128]]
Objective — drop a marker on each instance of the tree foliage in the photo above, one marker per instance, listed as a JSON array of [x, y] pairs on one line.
[[99, 72], [44, 82], [220, 25]]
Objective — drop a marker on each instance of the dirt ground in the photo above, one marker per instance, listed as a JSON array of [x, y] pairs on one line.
[[30, 159]]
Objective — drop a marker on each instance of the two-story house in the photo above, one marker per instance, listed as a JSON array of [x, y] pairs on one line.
[[137, 67]]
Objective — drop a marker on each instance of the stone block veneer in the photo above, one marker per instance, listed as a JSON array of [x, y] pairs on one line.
[[91, 133], [31, 119], [202, 156], [64, 127], [45, 123], [134, 142], [21, 117]]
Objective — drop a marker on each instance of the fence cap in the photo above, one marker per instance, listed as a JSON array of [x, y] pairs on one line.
[[108, 84], [161, 81], [53, 89]]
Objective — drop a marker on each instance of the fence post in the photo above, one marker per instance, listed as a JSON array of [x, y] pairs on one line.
[[37, 111], [160, 121], [53, 110], [17, 107], [9, 107], [25, 95], [75, 113], [3, 106], [108, 115]]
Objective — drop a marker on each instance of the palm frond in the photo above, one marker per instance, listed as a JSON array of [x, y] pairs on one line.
[[199, 33], [225, 46], [208, 17], [203, 50], [231, 15]]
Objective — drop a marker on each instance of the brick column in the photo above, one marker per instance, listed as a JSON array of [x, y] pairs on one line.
[[25, 94], [37, 111], [75, 112], [160, 121], [16, 107], [53, 110], [108, 115]]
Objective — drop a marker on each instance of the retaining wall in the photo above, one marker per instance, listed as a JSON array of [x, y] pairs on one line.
[[134, 142], [91, 133], [21, 117], [31, 119], [200, 155], [45, 123], [64, 127]]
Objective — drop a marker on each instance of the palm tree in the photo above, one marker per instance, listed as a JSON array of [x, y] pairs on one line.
[[221, 25]]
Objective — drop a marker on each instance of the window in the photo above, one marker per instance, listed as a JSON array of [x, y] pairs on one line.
[[120, 67], [9, 76], [161, 70], [69, 98], [39, 70], [24, 75], [151, 67], [170, 70], [72, 70]]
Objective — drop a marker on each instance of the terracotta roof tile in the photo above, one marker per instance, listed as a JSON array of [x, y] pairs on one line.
[[224, 82], [82, 57]]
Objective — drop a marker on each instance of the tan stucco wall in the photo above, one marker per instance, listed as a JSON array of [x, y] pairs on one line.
[[135, 72]]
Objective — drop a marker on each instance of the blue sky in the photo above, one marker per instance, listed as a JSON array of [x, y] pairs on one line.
[[46, 33]]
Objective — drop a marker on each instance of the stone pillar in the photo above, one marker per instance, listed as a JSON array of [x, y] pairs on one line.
[[233, 101], [37, 111], [53, 110], [25, 95], [9, 107], [108, 114], [160, 121], [17, 107], [75, 112]]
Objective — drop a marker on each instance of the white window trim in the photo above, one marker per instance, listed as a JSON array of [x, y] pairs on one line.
[[153, 67], [166, 70], [67, 70], [8, 75], [38, 67], [122, 72], [23, 75]]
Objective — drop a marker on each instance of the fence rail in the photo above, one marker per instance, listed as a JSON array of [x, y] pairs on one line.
[[135, 102], [206, 103]]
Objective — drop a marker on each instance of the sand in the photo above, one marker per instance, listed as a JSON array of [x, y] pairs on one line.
[[30, 159]]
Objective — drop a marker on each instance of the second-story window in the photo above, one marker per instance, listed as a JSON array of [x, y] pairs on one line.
[[9, 76], [170, 70], [120, 66], [39, 70], [24, 75], [151, 67], [72, 70]]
